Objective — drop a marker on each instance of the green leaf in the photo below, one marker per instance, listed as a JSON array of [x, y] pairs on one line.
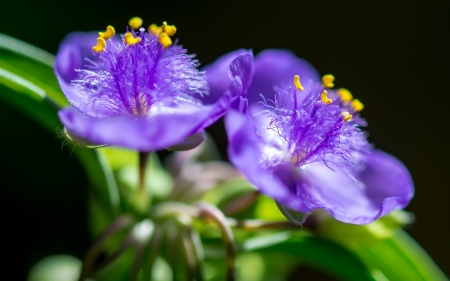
[[314, 251], [27, 82], [56, 268], [399, 257]]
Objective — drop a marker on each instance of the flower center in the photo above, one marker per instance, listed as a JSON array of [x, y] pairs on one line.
[[129, 76], [315, 124]]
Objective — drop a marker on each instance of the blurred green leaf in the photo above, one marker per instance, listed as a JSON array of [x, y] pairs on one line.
[[27, 82], [314, 251], [158, 181], [399, 257], [56, 268], [384, 246]]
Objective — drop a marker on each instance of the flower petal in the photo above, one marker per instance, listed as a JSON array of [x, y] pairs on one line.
[[277, 67], [337, 192], [165, 127], [386, 177], [245, 152], [217, 75], [73, 49]]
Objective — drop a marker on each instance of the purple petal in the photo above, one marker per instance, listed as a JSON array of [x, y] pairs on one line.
[[244, 152], [72, 51], [165, 126], [346, 200], [277, 67], [386, 177], [218, 76]]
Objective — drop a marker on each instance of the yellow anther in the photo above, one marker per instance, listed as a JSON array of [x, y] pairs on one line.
[[108, 33], [324, 98], [357, 105], [347, 116], [130, 39], [165, 40], [135, 23], [297, 83], [101, 44], [169, 29], [328, 80], [154, 29], [345, 94]]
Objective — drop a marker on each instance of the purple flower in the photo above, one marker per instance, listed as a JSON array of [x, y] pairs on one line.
[[302, 145], [140, 92]]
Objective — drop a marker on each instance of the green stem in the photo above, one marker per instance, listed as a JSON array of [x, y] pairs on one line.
[[94, 251], [210, 212], [143, 158], [253, 225], [241, 203]]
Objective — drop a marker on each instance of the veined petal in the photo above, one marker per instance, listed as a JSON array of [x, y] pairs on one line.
[[217, 75], [278, 67], [71, 55], [386, 177], [244, 151]]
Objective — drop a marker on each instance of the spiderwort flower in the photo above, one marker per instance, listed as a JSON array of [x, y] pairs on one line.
[[302, 145], [140, 92]]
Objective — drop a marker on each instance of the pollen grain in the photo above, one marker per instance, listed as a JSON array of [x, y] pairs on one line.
[[130, 39], [324, 98], [101, 44], [165, 40], [328, 80], [135, 23], [357, 105], [169, 29], [345, 94], [347, 116], [297, 83], [110, 32]]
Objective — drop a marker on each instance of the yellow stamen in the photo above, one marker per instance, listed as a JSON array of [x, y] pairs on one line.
[[135, 23], [328, 80], [169, 29], [347, 116], [165, 40], [108, 33], [101, 44], [357, 105], [297, 83], [324, 98], [130, 39], [154, 29], [345, 95]]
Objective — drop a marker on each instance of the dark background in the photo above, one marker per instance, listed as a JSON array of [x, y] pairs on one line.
[[393, 55]]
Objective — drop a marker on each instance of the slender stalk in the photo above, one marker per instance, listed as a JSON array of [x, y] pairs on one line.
[[241, 203], [260, 224], [173, 209], [143, 197], [125, 245], [210, 212], [143, 158], [94, 251]]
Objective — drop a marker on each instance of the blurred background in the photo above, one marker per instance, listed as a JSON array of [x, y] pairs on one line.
[[392, 55]]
